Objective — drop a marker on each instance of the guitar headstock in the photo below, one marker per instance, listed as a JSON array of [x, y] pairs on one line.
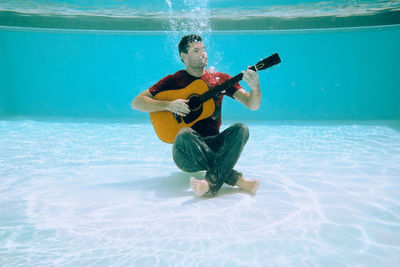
[[267, 62]]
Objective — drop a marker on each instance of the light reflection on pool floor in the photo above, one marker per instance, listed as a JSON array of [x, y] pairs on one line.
[[109, 194]]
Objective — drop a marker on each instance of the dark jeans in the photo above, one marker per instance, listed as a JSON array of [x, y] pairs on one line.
[[216, 154]]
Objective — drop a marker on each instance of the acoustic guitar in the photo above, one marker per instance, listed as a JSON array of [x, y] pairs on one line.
[[201, 104]]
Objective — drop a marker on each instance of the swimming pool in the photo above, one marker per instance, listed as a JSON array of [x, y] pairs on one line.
[[85, 181]]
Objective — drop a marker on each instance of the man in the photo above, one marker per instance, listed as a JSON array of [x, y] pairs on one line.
[[202, 147]]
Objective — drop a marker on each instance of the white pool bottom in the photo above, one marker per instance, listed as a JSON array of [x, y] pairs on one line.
[[109, 194]]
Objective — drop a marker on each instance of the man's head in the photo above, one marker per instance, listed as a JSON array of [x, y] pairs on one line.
[[183, 46], [192, 50]]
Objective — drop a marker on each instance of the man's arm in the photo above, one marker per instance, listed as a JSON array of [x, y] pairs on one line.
[[252, 100], [146, 102]]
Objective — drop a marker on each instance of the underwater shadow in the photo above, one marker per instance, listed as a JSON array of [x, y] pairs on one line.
[[395, 125], [174, 185]]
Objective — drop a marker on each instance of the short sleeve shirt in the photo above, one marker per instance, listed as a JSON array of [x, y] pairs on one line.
[[182, 78]]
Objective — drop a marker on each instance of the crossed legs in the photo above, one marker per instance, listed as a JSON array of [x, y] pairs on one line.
[[217, 155]]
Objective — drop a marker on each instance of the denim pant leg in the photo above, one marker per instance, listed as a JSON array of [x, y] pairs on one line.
[[216, 154], [228, 146], [191, 153]]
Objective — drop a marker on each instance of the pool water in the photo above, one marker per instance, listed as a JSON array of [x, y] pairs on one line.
[[106, 193]]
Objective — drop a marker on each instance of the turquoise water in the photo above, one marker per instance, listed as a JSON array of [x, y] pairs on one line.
[[335, 74], [86, 182]]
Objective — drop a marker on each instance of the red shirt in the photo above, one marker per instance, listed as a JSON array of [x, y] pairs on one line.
[[181, 79]]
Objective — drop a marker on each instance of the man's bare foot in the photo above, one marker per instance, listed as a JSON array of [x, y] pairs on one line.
[[248, 185], [200, 187]]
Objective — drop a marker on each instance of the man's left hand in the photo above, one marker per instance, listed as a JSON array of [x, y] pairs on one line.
[[251, 78]]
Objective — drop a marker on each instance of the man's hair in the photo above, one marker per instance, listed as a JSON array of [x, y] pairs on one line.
[[184, 44]]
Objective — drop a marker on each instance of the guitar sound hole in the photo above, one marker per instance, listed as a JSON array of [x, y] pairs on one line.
[[194, 103]]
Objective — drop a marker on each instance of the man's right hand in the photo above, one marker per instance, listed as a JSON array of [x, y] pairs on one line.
[[179, 106]]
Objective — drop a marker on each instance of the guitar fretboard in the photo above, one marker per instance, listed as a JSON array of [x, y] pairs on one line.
[[216, 91]]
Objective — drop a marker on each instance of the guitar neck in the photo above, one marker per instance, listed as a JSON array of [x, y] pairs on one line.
[[216, 91]]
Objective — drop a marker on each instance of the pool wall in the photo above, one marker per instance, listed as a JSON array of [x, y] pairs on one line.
[[336, 74]]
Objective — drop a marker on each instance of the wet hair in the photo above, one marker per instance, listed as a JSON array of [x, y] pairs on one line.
[[184, 44]]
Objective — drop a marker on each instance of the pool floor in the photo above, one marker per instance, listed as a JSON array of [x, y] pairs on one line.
[[108, 194]]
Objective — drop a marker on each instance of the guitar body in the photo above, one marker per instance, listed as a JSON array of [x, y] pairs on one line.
[[167, 125]]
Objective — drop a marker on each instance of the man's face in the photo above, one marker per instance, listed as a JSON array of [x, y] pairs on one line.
[[196, 56]]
